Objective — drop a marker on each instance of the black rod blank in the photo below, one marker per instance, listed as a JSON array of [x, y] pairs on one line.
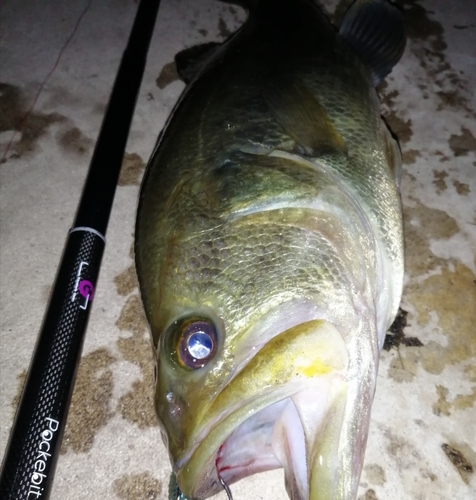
[[35, 439]]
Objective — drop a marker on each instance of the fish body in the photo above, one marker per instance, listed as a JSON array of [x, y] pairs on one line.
[[269, 252]]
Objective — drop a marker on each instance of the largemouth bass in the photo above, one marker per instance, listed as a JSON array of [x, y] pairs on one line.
[[269, 249]]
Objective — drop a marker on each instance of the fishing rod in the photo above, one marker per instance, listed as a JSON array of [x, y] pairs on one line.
[[32, 451]]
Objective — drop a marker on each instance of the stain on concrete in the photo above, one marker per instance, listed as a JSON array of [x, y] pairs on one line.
[[461, 402], [460, 461], [396, 335], [461, 187], [462, 144], [402, 451], [167, 75], [464, 401], [443, 158], [369, 495], [100, 108], [439, 180], [126, 282], [74, 141], [89, 411], [21, 377], [399, 126], [442, 406], [137, 406], [427, 42], [131, 170], [14, 105], [142, 486], [470, 372], [223, 29], [421, 224], [451, 99], [451, 295], [410, 156], [203, 32], [375, 474], [426, 474], [46, 292], [132, 317], [404, 366]]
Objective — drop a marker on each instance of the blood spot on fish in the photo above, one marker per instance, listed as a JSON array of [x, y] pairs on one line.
[[460, 461], [131, 170], [75, 141], [89, 411], [462, 144], [142, 486], [137, 406], [167, 75]]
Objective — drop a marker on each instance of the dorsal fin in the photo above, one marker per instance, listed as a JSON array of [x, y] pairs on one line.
[[376, 31]]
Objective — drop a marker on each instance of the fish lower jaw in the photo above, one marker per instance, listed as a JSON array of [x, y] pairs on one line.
[[301, 404], [292, 434], [297, 433]]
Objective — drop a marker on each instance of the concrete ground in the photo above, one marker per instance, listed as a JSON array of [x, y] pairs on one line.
[[422, 442]]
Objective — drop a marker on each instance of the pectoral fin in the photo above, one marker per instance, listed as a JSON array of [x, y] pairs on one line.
[[392, 153], [303, 118]]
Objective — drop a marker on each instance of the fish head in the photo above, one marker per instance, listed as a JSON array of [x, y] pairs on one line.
[[253, 367]]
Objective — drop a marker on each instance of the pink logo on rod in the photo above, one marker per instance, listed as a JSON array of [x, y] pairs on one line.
[[86, 289]]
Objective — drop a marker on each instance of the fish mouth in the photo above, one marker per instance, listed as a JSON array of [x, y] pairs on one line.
[[288, 409]]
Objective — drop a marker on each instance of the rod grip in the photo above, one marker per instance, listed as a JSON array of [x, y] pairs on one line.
[[32, 452]]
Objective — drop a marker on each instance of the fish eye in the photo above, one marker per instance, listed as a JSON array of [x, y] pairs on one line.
[[197, 343]]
